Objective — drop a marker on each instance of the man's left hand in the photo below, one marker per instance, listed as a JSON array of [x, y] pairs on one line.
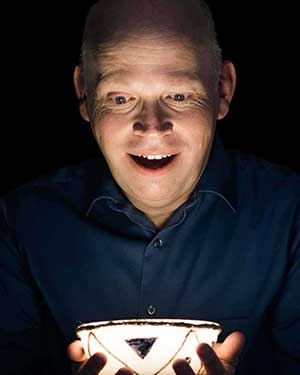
[[222, 359]]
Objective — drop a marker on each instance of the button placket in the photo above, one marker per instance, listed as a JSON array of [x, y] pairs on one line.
[[152, 256]]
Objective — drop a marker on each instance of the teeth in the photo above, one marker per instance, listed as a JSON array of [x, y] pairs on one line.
[[156, 157]]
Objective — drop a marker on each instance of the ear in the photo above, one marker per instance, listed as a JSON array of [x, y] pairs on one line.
[[227, 83], [80, 92]]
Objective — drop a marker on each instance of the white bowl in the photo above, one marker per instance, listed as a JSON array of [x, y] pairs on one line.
[[147, 346]]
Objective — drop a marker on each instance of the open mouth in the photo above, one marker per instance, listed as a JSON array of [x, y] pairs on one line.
[[153, 163]]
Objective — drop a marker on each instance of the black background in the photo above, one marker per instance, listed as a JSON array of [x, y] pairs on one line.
[[41, 128]]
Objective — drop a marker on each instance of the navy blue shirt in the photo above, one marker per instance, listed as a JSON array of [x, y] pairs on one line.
[[74, 249]]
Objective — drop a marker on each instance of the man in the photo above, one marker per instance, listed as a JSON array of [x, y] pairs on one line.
[[168, 224]]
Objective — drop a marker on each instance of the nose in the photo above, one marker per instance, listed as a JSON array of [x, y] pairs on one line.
[[152, 120]]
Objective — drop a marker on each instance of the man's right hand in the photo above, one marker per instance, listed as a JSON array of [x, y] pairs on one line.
[[82, 365]]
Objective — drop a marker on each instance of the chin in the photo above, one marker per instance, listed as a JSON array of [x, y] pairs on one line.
[[156, 198]]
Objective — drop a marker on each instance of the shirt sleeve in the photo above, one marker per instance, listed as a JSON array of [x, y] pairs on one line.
[[286, 314], [23, 349]]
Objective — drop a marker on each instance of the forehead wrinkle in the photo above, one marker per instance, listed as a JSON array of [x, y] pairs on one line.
[[107, 63], [145, 43], [159, 56]]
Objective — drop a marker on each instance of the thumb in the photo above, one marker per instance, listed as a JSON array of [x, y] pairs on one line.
[[230, 350], [75, 352]]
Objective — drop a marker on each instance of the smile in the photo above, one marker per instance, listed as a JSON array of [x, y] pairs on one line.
[[153, 161]]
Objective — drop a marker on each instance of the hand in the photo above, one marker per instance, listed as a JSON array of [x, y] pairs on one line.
[[82, 365], [222, 359]]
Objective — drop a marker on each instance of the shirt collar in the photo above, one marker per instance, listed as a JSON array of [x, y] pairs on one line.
[[219, 175], [218, 178]]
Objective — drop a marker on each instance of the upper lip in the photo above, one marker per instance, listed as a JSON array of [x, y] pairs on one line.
[[146, 153]]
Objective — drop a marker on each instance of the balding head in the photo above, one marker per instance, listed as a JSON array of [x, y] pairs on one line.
[[112, 21]]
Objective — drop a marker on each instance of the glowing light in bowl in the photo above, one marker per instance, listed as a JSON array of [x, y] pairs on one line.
[[147, 346]]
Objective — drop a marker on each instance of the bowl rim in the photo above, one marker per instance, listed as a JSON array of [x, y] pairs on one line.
[[187, 323]]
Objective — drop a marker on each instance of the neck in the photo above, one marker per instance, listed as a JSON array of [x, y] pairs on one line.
[[159, 215], [160, 220]]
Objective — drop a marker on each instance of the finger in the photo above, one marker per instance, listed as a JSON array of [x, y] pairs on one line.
[[80, 360], [93, 365], [181, 367], [75, 352], [230, 350], [210, 360], [223, 357], [124, 371]]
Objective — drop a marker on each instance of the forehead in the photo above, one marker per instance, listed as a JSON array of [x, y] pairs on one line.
[[175, 58]]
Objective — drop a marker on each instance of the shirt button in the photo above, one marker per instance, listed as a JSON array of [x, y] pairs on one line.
[[158, 243], [151, 310]]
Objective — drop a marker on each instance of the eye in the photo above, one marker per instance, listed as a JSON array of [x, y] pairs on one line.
[[120, 99], [177, 97]]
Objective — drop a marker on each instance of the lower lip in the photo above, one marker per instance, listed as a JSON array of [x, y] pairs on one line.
[[154, 172]]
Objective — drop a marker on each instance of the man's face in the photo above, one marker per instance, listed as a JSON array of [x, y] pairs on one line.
[[155, 98]]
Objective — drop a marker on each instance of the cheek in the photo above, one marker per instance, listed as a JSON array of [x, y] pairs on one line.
[[198, 134], [108, 133], [102, 132], [198, 125]]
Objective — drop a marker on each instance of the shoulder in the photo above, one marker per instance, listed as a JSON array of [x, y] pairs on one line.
[[265, 192], [69, 183], [264, 177]]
